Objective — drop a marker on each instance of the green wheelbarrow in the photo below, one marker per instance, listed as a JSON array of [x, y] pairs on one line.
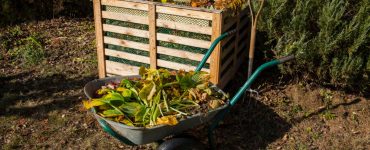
[[141, 135]]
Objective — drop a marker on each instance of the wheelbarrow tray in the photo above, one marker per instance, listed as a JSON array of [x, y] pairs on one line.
[[143, 135]]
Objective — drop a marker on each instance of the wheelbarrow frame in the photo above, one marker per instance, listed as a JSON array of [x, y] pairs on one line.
[[216, 115]]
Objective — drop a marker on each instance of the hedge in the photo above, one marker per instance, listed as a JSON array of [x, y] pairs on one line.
[[329, 37]]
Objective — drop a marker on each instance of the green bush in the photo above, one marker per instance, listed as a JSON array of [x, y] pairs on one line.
[[32, 51], [27, 51], [330, 38]]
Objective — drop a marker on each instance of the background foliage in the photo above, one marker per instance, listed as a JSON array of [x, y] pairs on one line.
[[330, 38], [14, 11]]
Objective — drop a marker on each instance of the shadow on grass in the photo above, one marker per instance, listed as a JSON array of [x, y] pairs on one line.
[[251, 125], [39, 95]]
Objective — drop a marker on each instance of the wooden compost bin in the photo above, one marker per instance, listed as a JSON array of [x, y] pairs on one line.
[[130, 34]]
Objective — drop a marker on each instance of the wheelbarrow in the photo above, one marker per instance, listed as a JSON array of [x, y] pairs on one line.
[[142, 135]]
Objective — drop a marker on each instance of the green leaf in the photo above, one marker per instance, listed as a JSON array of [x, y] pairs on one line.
[[104, 91], [156, 113], [111, 113], [147, 92], [127, 93], [186, 82], [126, 83], [112, 96], [165, 73], [127, 122], [132, 108], [139, 116]]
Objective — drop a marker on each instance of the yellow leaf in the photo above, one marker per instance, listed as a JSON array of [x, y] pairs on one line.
[[120, 89], [103, 91], [127, 122], [215, 103], [92, 103], [168, 120]]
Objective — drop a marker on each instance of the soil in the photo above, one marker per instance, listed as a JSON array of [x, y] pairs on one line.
[[41, 104]]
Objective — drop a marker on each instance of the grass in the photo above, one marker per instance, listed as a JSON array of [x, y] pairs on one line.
[[32, 52], [314, 135], [327, 115], [21, 48]]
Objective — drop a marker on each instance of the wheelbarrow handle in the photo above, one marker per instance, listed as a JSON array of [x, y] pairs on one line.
[[241, 91], [255, 74], [211, 48], [287, 58]]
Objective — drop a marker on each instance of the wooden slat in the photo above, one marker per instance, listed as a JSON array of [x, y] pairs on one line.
[[110, 75], [226, 78], [244, 32], [225, 41], [243, 13], [121, 69], [126, 31], [244, 24], [183, 40], [226, 64], [241, 58], [180, 53], [242, 46], [227, 50], [184, 27], [124, 17], [215, 57], [177, 66], [229, 24], [99, 38], [127, 56], [152, 36], [236, 43], [184, 12], [126, 43], [125, 4]]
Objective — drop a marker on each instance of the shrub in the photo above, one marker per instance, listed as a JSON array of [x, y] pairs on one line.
[[21, 47], [330, 38], [32, 51]]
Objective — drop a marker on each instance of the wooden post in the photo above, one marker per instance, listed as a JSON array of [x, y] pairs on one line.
[[152, 35], [99, 38], [216, 55]]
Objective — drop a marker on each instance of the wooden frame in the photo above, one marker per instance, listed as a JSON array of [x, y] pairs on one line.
[[223, 62]]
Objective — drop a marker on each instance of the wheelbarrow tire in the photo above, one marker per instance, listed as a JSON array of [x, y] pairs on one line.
[[181, 144]]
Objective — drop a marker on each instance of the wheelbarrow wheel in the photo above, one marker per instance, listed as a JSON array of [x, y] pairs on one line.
[[181, 144]]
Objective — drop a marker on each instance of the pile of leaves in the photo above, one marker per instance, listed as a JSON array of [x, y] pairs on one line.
[[233, 5], [158, 97]]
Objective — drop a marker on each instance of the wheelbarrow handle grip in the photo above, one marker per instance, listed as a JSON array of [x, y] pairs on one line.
[[287, 58]]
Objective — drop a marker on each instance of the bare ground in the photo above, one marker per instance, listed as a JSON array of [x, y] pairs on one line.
[[40, 104]]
